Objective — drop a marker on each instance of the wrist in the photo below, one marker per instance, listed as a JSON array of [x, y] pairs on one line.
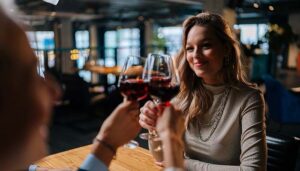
[[107, 145], [103, 151], [167, 134], [173, 150], [107, 140], [173, 140]]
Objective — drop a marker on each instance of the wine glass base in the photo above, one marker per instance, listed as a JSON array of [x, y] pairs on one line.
[[144, 136], [131, 144], [148, 136]]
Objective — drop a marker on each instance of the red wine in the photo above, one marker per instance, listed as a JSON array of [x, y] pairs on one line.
[[163, 89], [134, 89]]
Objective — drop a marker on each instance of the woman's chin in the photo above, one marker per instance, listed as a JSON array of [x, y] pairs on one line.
[[200, 74]]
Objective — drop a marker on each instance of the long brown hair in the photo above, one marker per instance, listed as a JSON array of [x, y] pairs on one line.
[[193, 98]]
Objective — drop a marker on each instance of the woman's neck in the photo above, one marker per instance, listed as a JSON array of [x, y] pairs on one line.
[[214, 81]]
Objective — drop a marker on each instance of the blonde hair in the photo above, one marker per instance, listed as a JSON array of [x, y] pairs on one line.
[[193, 99]]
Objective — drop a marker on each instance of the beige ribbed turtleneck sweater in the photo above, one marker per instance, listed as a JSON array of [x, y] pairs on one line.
[[239, 139]]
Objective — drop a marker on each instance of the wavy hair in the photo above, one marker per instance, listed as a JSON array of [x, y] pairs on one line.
[[194, 99]]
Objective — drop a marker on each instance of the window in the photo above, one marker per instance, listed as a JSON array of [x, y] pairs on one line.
[[41, 40], [254, 34], [43, 43], [172, 36], [82, 41], [249, 33], [128, 41], [118, 45]]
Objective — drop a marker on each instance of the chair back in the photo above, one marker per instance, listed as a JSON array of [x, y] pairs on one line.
[[282, 152], [283, 105]]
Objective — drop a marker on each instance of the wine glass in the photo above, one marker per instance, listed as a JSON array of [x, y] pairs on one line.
[[131, 83], [163, 79]]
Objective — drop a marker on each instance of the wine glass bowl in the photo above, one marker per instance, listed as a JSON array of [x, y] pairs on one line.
[[131, 84], [162, 91], [162, 77]]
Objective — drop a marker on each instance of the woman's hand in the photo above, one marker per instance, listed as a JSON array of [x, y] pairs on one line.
[[148, 115]]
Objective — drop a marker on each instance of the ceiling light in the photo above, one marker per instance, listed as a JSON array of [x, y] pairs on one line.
[[255, 5], [53, 2]]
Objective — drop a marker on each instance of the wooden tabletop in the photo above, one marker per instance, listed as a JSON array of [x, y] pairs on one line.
[[296, 89], [103, 69], [126, 159]]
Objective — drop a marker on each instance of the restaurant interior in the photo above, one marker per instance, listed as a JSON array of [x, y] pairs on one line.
[[83, 44]]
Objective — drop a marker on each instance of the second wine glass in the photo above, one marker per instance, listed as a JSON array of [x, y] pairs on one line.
[[163, 79]]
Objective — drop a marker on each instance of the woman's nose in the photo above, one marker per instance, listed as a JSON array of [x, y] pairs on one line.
[[197, 53]]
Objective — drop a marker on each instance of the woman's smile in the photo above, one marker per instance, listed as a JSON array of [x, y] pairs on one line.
[[200, 64]]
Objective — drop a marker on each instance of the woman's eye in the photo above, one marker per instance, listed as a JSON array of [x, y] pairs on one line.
[[189, 49], [206, 46]]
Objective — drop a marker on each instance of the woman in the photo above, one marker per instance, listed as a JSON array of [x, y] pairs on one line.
[[25, 110], [224, 114]]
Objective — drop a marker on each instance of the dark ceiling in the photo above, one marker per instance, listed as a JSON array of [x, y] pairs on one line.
[[112, 12], [166, 12], [281, 7]]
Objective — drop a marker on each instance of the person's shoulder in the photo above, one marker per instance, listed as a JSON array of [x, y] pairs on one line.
[[246, 90], [247, 96]]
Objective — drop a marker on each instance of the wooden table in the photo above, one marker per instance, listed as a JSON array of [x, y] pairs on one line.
[[103, 69], [296, 89], [126, 159]]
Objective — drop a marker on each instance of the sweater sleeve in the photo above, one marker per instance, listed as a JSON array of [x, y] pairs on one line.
[[92, 163], [253, 140]]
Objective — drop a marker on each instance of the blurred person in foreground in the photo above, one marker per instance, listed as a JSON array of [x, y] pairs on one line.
[[26, 101], [224, 113]]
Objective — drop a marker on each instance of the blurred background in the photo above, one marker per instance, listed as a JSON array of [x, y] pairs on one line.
[[83, 43]]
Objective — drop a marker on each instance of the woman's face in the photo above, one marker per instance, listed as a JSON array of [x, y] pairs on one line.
[[205, 54]]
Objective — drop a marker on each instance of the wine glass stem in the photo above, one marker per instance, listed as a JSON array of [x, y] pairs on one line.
[[153, 132]]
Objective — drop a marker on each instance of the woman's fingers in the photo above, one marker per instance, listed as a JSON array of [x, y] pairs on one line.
[[148, 115], [146, 122], [150, 110]]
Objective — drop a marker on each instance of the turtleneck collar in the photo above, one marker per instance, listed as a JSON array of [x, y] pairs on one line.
[[215, 89]]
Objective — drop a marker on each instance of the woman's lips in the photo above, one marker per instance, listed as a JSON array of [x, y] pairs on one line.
[[200, 64]]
